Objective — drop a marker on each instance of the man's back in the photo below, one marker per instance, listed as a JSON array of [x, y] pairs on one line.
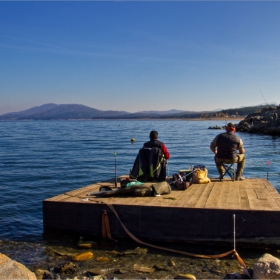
[[154, 143], [227, 144], [149, 165]]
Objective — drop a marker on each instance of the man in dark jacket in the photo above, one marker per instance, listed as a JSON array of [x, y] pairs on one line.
[[150, 163], [225, 147], [154, 143]]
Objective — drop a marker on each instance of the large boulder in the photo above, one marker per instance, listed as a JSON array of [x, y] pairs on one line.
[[264, 121], [12, 270], [267, 267]]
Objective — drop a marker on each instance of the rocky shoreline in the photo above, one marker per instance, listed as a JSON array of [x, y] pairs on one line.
[[264, 121], [266, 267]]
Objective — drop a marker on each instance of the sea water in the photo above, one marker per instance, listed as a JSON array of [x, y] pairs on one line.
[[41, 159]]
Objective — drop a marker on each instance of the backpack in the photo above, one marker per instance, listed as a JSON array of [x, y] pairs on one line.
[[179, 182], [149, 165], [200, 175]]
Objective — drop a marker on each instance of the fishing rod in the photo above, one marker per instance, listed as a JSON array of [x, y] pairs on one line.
[[115, 155], [263, 97]]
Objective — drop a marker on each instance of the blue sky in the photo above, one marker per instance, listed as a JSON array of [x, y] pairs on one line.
[[136, 56]]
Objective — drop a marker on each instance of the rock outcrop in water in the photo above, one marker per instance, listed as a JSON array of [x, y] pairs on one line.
[[264, 121]]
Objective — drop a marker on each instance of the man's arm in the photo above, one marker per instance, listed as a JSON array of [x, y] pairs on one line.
[[241, 147], [213, 145], [165, 151]]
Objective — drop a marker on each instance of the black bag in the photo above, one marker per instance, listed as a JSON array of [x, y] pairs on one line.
[[149, 165], [178, 182]]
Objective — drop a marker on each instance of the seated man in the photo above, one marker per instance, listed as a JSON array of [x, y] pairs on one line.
[[150, 163], [225, 146], [155, 143]]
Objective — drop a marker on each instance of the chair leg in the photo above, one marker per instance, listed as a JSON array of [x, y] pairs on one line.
[[229, 170], [232, 173]]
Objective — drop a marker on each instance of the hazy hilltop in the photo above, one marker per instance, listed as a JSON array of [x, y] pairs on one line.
[[63, 111], [75, 111]]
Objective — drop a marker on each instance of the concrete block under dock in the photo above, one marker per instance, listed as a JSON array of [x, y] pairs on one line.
[[203, 212]]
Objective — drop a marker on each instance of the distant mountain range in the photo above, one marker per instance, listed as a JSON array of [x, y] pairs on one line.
[[75, 111], [64, 111]]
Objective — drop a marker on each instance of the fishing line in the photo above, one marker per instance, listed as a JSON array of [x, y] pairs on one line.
[[263, 97]]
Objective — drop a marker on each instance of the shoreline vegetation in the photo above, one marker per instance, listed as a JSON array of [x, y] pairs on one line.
[[81, 112], [209, 119], [140, 119]]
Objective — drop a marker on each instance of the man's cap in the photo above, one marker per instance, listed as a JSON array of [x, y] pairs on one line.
[[231, 124]]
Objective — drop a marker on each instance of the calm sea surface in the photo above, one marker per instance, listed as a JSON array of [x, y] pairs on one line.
[[40, 159]]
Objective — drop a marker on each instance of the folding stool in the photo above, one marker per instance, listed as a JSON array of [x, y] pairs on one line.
[[229, 170]]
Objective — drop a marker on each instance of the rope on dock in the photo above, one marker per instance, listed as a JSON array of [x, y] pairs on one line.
[[233, 251]]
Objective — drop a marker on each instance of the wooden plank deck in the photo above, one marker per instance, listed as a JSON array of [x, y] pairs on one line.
[[202, 212]]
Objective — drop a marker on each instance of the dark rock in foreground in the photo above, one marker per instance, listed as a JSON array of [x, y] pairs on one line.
[[264, 121]]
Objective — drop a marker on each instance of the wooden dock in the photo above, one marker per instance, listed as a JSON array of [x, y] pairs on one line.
[[203, 212]]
